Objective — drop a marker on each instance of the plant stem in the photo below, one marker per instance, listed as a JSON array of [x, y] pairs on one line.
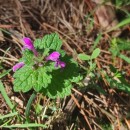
[[27, 111], [4, 94]]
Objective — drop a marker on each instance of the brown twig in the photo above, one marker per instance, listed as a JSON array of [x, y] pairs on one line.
[[81, 110], [94, 105], [53, 28]]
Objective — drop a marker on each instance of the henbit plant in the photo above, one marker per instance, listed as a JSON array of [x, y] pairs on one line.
[[45, 68]]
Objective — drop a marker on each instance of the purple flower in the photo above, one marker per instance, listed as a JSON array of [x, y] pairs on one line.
[[60, 63], [29, 45], [17, 66], [54, 56]]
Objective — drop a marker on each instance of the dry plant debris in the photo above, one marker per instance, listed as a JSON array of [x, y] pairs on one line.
[[78, 24]]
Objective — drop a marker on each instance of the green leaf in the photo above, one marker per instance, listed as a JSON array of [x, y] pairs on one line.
[[113, 69], [28, 107], [77, 79], [121, 86], [92, 66], [29, 125], [95, 53], [123, 44], [62, 80], [4, 73], [38, 108], [84, 57], [121, 24], [38, 43], [28, 77], [8, 115], [5, 96], [100, 90], [51, 41], [28, 57], [114, 49], [99, 36], [125, 58], [119, 83]]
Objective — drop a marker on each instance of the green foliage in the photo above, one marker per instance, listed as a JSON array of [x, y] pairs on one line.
[[10, 115], [97, 40], [118, 81], [119, 25], [84, 57], [58, 83], [27, 78], [90, 58], [94, 55], [62, 80], [123, 44], [27, 111], [38, 108], [125, 58], [118, 45], [114, 49], [121, 2], [92, 66], [5, 72], [5, 96], [107, 127], [42, 75], [27, 125], [28, 57], [51, 41]]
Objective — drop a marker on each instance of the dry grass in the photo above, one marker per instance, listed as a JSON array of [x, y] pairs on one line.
[[35, 18]]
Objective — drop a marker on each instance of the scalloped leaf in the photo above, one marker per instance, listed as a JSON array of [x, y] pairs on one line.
[[62, 80], [27, 78], [28, 57], [51, 41]]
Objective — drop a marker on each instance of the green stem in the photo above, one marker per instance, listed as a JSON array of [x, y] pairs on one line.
[[27, 111], [4, 94]]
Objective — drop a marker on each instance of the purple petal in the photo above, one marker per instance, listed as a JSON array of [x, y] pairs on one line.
[[29, 45], [56, 63], [17, 66], [54, 56], [35, 52], [60, 63]]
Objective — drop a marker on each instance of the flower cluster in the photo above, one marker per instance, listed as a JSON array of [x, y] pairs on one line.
[[54, 56]]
